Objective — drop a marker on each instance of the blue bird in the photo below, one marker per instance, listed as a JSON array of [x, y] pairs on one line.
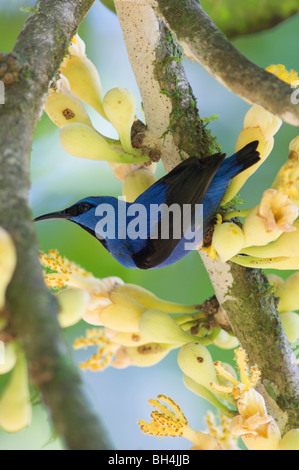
[[139, 241]]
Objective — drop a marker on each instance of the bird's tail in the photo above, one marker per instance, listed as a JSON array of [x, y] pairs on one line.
[[240, 161]]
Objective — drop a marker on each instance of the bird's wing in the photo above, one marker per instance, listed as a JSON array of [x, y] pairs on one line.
[[185, 184]]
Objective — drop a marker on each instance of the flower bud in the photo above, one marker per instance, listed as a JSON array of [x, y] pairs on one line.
[[288, 294], [63, 108], [286, 245], [290, 440], [255, 232], [146, 355], [160, 327], [151, 301], [266, 222], [137, 182], [287, 180], [290, 322], [8, 260], [282, 73], [207, 394], [94, 310], [73, 304], [15, 405], [258, 442], [225, 341], [228, 239], [294, 145], [196, 362], [81, 140], [84, 81], [257, 429], [120, 106], [122, 170], [281, 262], [123, 314], [125, 338], [259, 117], [274, 280]]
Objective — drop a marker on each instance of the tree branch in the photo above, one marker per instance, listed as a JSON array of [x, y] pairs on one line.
[[242, 293], [167, 98], [202, 41], [26, 72], [243, 17]]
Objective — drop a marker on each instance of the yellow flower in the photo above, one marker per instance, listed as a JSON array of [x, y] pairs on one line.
[[172, 422], [222, 432], [112, 303], [83, 76], [8, 260], [256, 427], [122, 170], [266, 222], [77, 47], [248, 378], [287, 179], [15, 402], [261, 125], [277, 211], [119, 308], [106, 350], [281, 72]]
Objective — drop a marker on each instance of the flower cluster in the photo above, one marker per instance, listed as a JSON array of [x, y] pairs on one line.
[[137, 327], [170, 421]]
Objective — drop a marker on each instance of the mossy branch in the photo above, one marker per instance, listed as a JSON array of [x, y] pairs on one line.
[[32, 309], [242, 293]]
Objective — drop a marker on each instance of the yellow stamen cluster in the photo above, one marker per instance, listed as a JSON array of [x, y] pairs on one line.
[[58, 263], [260, 125], [165, 422], [221, 432], [287, 179], [172, 422], [105, 353], [248, 378]]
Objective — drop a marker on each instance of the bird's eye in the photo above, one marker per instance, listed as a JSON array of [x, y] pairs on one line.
[[83, 207]]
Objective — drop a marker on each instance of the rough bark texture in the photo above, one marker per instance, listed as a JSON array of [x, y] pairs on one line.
[[32, 310], [174, 128], [243, 17]]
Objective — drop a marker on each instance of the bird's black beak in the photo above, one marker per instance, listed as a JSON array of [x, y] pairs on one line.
[[54, 215]]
